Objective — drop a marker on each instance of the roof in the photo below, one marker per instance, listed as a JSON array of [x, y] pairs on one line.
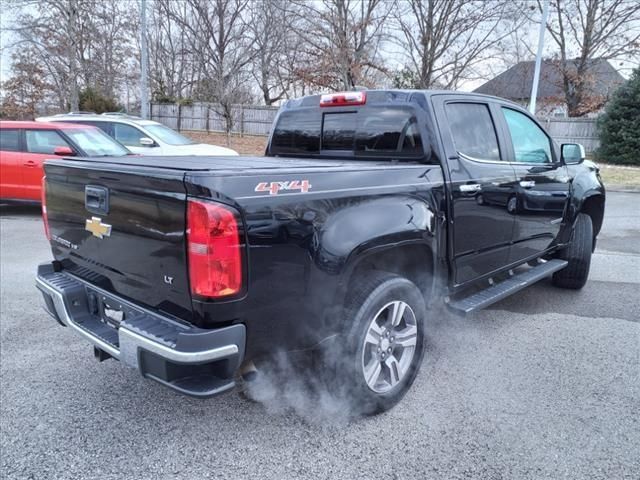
[[515, 83], [383, 96], [79, 117], [41, 126]]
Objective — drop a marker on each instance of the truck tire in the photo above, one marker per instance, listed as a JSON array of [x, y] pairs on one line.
[[578, 254], [384, 344]]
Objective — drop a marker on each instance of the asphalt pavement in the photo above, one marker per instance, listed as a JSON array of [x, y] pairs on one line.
[[544, 385]]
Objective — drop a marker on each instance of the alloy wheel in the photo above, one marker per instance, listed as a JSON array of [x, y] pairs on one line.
[[389, 346]]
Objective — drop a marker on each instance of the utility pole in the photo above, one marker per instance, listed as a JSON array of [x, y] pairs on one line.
[[144, 81], [74, 97], [536, 73]]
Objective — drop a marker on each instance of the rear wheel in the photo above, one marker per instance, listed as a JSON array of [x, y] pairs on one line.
[[578, 254], [384, 345]]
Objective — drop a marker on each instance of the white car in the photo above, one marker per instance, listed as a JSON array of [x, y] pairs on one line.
[[143, 137]]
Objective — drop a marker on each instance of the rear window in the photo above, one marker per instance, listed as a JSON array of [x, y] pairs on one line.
[[368, 132], [9, 140], [297, 132], [44, 141], [338, 131]]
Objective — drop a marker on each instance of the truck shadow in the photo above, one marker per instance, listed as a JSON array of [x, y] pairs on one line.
[[596, 300]]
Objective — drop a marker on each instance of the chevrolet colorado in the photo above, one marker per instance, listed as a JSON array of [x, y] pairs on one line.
[[367, 209]]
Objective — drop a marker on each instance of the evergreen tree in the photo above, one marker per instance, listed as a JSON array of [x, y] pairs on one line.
[[619, 127]]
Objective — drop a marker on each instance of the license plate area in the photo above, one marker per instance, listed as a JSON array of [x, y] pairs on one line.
[[112, 316], [108, 310]]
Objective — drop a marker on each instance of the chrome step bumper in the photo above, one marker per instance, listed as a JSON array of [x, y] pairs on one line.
[[188, 359]]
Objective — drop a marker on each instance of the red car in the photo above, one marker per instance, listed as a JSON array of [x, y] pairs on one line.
[[24, 146]]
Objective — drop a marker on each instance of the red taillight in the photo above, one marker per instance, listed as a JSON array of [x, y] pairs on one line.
[[45, 218], [213, 240], [343, 98]]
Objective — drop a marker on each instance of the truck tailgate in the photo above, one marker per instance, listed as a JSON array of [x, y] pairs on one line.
[[123, 229]]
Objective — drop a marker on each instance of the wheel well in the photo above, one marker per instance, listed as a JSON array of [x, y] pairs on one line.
[[594, 207], [414, 262]]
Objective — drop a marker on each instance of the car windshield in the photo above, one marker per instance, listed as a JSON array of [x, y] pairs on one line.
[[95, 143], [166, 135]]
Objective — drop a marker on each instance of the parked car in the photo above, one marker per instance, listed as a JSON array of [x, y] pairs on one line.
[[362, 215], [143, 137], [25, 145]]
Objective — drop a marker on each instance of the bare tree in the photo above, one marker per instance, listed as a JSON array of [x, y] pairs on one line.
[[171, 66], [79, 43], [112, 27], [217, 34], [587, 30], [446, 40], [341, 41], [271, 26], [52, 28]]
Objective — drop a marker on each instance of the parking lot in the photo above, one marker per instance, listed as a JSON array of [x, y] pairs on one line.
[[545, 384]]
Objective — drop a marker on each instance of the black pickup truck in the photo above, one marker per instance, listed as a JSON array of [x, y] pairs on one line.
[[367, 209]]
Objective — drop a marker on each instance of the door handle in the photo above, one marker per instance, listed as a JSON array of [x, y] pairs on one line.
[[96, 199], [470, 188], [527, 183], [30, 163]]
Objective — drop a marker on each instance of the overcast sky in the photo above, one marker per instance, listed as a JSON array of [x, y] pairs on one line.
[[7, 19]]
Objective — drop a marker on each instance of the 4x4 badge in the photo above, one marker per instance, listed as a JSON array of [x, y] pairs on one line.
[[97, 228], [276, 187]]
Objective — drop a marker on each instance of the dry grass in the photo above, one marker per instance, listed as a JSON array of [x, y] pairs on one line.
[[619, 175], [246, 145], [255, 145]]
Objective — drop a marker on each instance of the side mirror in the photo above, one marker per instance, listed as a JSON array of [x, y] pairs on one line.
[[63, 151], [572, 153], [147, 142]]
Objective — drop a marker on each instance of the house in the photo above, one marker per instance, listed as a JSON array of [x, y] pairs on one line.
[[515, 85]]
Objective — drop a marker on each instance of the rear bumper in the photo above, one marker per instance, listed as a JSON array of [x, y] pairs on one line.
[[187, 359]]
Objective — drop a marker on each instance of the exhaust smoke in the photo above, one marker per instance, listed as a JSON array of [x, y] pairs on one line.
[[283, 385]]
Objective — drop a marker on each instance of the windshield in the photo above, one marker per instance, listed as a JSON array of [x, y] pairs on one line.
[[166, 135], [95, 143]]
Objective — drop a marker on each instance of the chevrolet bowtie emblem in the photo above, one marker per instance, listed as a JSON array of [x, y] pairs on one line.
[[97, 228]]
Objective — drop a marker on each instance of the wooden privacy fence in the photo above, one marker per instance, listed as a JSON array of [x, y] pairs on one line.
[[257, 120], [573, 130], [251, 120]]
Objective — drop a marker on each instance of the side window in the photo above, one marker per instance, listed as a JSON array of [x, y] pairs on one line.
[[10, 140], [104, 126], [127, 135], [530, 143], [472, 129], [44, 141]]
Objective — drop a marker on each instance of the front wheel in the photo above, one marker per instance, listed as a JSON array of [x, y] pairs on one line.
[[578, 254], [384, 345]]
